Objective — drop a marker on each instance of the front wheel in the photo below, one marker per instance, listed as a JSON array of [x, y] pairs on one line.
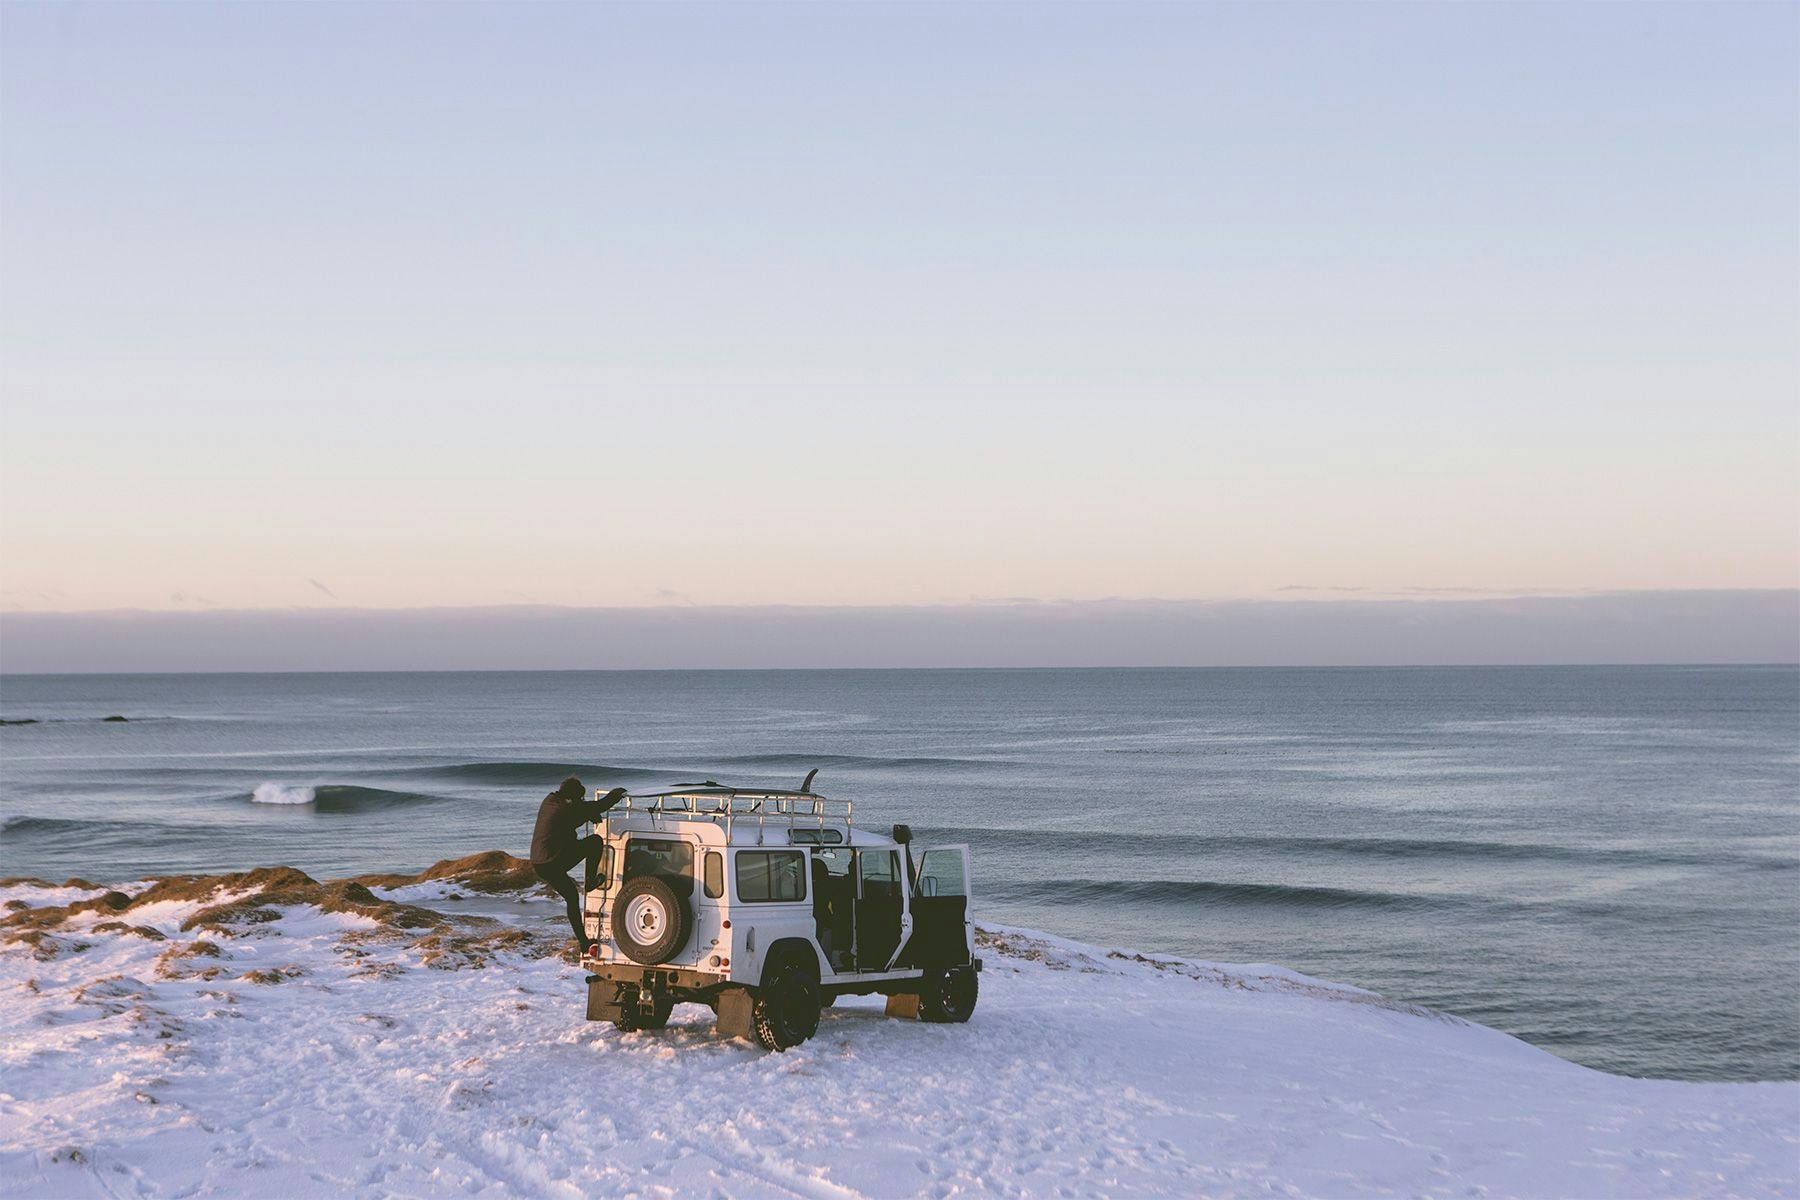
[[948, 997], [785, 1011]]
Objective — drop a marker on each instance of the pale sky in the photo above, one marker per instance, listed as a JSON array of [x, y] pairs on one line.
[[347, 305]]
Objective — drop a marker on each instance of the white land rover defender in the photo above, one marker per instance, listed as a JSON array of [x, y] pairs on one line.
[[767, 906]]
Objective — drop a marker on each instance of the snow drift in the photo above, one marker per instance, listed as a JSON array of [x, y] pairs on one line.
[[268, 1034]]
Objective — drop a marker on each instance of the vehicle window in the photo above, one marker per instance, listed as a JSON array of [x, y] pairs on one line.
[[646, 857], [941, 874], [880, 873], [771, 875], [603, 871], [715, 874], [836, 861]]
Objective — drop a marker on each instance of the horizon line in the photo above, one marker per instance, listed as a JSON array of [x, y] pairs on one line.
[[1336, 596], [1662, 627], [1372, 666]]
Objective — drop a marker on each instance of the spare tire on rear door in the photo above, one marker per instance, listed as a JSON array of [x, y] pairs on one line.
[[651, 921]]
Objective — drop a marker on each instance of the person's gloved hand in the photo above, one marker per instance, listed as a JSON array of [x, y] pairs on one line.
[[613, 797]]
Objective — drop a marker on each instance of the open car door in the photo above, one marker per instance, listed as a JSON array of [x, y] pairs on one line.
[[880, 908], [942, 929]]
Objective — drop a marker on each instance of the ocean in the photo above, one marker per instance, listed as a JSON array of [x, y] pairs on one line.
[[1604, 861]]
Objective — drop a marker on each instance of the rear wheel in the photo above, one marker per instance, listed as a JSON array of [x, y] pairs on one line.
[[785, 1011], [948, 997]]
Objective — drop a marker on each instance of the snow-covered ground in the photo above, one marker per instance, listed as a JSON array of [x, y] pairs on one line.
[[331, 1054]]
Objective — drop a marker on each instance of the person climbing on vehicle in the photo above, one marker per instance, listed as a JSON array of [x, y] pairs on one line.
[[555, 848]]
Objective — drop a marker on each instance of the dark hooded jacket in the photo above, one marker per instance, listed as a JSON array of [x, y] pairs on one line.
[[558, 819]]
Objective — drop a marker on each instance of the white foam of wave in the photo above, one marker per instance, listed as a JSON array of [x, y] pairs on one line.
[[275, 793]]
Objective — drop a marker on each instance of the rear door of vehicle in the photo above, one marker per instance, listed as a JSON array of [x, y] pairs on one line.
[[670, 857]]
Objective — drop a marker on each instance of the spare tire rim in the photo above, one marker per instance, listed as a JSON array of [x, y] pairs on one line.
[[646, 918]]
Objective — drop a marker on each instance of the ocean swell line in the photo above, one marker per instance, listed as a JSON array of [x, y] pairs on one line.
[[1206, 890], [1421, 849]]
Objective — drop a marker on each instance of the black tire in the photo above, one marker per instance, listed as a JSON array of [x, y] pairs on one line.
[[785, 1010], [948, 997], [651, 921], [633, 1018]]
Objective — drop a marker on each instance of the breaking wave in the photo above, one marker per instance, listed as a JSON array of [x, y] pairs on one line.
[[336, 797], [275, 793]]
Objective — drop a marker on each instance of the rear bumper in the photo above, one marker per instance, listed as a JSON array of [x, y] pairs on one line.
[[611, 987], [658, 978]]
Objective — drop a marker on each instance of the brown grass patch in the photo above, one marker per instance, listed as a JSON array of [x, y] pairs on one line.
[[272, 975], [143, 931], [277, 887], [170, 963], [45, 946], [490, 871], [451, 950], [261, 894], [34, 881], [237, 903]]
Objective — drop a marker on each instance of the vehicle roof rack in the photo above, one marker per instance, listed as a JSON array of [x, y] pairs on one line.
[[709, 788], [722, 804]]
